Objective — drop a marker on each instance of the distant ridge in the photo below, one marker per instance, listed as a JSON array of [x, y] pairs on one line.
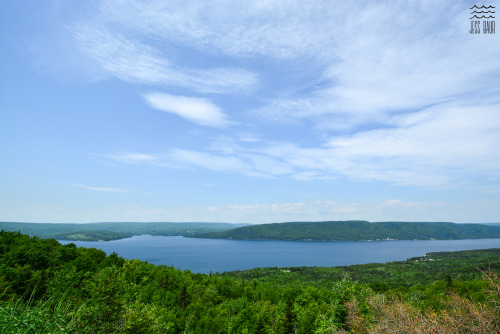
[[112, 231], [358, 230]]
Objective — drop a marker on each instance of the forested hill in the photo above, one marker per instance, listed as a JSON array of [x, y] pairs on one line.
[[112, 231], [47, 287], [357, 231]]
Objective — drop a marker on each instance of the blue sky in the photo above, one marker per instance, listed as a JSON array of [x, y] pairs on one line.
[[247, 112]]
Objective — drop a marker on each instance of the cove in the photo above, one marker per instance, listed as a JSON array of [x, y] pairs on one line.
[[219, 255]]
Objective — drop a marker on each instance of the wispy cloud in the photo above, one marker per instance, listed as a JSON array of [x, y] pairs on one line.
[[392, 91], [198, 110], [100, 189], [135, 61], [438, 145], [271, 212], [374, 72], [377, 210], [395, 57], [251, 29]]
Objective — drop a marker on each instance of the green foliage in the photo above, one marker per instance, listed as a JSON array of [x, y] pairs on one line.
[[459, 266], [357, 230], [112, 231], [49, 316], [53, 288], [92, 235]]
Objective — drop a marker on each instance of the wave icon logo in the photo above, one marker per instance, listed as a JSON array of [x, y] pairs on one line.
[[477, 11], [482, 17]]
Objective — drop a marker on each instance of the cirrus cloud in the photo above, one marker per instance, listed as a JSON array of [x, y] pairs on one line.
[[441, 145], [100, 189]]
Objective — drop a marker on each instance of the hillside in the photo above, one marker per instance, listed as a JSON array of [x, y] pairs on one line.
[[434, 266], [52, 288], [112, 231], [357, 231]]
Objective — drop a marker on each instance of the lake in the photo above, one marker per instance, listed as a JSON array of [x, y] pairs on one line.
[[219, 255]]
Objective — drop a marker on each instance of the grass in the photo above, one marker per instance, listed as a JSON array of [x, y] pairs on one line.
[[49, 316]]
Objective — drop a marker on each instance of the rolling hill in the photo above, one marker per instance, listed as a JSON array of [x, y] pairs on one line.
[[112, 231], [357, 230]]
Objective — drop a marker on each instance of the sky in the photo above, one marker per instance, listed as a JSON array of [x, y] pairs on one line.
[[247, 112]]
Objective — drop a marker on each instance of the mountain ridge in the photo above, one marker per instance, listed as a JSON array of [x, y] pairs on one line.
[[105, 231], [357, 230]]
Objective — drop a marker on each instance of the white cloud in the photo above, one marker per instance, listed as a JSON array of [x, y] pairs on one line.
[[441, 145], [354, 63], [380, 210], [136, 61], [216, 163], [405, 79], [392, 58], [251, 29], [198, 110], [100, 189], [447, 144], [389, 91], [258, 213], [131, 158]]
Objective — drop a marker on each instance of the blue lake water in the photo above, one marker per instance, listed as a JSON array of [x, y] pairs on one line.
[[205, 255]]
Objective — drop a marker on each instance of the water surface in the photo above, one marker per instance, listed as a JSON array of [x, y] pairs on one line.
[[218, 255]]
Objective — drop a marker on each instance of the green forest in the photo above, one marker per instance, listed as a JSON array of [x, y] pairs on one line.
[[112, 231], [47, 287], [357, 230]]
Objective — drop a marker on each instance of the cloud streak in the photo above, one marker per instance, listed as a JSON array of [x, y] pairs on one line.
[[261, 212], [198, 110], [99, 189], [137, 62], [395, 57], [374, 72], [387, 89], [264, 29], [437, 146]]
